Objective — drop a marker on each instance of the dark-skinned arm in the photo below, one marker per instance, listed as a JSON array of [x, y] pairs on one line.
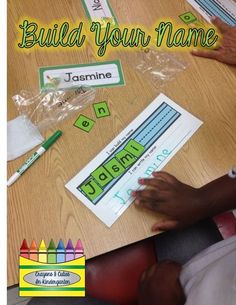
[[183, 204]]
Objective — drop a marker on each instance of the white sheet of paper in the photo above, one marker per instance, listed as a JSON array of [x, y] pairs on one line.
[[157, 133], [22, 136], [98, 10], [225, 9]]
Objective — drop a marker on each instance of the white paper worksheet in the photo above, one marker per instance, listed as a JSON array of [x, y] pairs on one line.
[[144, 146], [225, 9], [99, 10]]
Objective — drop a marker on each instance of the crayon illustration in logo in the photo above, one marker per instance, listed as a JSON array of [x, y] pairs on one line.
[[52, 271]]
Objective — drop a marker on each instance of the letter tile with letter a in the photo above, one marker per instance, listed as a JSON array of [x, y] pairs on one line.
[[102, 176]]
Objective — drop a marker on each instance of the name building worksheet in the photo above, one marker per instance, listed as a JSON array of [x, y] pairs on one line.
[[144, 146]]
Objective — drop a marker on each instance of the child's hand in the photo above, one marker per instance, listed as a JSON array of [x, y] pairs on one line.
[[160, 285], [183, 204]]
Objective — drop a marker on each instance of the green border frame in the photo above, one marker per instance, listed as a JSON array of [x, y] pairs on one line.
[[117, 62], [89, 16], [101, 117]]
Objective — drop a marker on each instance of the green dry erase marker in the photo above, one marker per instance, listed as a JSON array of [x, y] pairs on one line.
[[44, 147]]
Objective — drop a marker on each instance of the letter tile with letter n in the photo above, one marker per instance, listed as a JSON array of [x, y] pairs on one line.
[[84, 123], [102, 176], [91, 189], [101, 109]]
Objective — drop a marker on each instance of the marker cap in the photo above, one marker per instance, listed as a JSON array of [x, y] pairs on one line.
[[13, 179], [52, 139]]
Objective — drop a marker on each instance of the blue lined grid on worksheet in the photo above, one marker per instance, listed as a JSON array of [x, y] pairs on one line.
[[146, 134], [215, 9]]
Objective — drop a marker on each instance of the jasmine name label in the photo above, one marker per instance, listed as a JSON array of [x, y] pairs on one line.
[[105, 74]]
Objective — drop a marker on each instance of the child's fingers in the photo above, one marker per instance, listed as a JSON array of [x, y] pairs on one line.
[[156, 183], [164, 176], [165, 225], [147, 204], [151, 194]]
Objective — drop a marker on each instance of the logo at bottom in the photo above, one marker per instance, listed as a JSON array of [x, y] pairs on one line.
[[52, 271]]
